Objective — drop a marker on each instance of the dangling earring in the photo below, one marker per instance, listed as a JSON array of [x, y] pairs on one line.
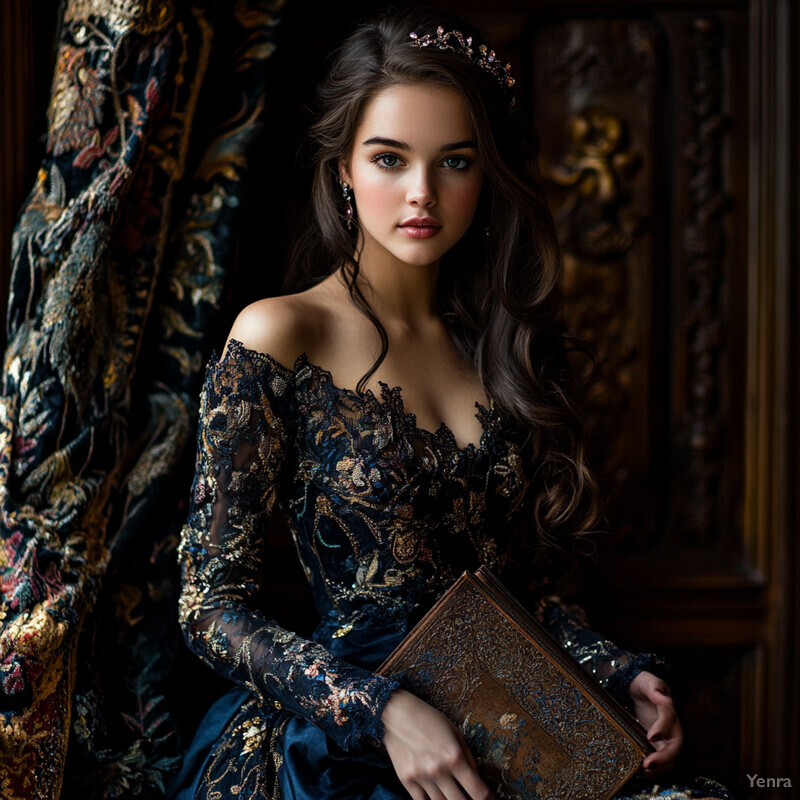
[[348, 203]]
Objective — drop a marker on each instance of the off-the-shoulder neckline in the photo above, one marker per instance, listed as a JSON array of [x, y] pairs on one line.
[[390, 396]]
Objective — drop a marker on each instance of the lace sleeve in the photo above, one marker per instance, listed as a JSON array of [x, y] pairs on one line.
[[612, 667], [245, 433]]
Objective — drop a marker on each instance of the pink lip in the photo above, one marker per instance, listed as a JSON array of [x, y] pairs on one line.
[[420, 227]]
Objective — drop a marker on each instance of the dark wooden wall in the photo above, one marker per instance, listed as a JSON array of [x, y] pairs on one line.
[[27, 30], [16, 120], [669, 138]]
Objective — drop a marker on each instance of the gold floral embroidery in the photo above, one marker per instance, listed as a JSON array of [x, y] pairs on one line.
[[384, 515], [76, 104]]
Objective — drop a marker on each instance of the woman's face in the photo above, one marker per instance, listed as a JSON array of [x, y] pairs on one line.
[[414, 174]]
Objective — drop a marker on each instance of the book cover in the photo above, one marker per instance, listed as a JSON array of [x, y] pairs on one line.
[[538, 725]]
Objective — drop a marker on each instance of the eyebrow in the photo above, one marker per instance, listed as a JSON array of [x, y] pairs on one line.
[[445, 148]]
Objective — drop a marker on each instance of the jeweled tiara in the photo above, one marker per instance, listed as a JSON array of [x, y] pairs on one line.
[[456, 41]]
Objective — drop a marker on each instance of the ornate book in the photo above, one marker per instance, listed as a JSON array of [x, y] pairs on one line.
[[538, 725]]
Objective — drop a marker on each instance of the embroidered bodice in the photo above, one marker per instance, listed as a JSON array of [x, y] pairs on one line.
[[384, 514]]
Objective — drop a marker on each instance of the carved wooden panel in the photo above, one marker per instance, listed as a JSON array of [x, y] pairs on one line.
[[703, 246], [666, 131], [594, 84]]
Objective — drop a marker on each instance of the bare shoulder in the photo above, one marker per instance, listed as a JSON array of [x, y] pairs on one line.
[[282, 327]]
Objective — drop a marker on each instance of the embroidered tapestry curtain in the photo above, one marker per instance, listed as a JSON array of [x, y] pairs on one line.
[[120, 259]]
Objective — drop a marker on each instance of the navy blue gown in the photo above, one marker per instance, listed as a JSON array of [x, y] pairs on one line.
[[385, 516]]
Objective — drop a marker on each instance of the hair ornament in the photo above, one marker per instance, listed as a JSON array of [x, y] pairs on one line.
[[486, 59]]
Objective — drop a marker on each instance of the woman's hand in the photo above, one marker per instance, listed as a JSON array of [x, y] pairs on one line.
[[654, 709], [428, 753]]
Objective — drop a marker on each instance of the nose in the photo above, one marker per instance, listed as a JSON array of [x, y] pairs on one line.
[[421, 192]]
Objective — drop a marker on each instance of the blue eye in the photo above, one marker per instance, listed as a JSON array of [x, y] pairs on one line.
[[386, 160], [456, 162]]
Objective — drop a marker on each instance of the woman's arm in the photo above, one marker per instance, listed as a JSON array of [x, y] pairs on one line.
[[634, 679], [245, 431], [611, 666]]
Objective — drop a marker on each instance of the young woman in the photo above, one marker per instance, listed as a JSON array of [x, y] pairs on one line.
[[409, 415]]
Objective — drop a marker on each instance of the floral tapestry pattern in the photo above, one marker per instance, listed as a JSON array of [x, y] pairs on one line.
[[121, 256]]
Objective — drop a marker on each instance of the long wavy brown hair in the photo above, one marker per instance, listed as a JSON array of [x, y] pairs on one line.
[[497, 293]]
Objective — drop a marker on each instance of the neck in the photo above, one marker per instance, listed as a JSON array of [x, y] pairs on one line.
[[402, 295]]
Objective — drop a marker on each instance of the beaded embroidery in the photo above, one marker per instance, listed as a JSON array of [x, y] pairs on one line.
[[385, 515]]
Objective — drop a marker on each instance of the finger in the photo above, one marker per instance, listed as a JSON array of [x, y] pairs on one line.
[[666, 736], [468, 755], [416, 791], [666, 719], [664, 757], [472, 784], [654, 769], [435, 792], [657, 693], [655, 765], [665, 715], [475, 788], [452, 790]]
